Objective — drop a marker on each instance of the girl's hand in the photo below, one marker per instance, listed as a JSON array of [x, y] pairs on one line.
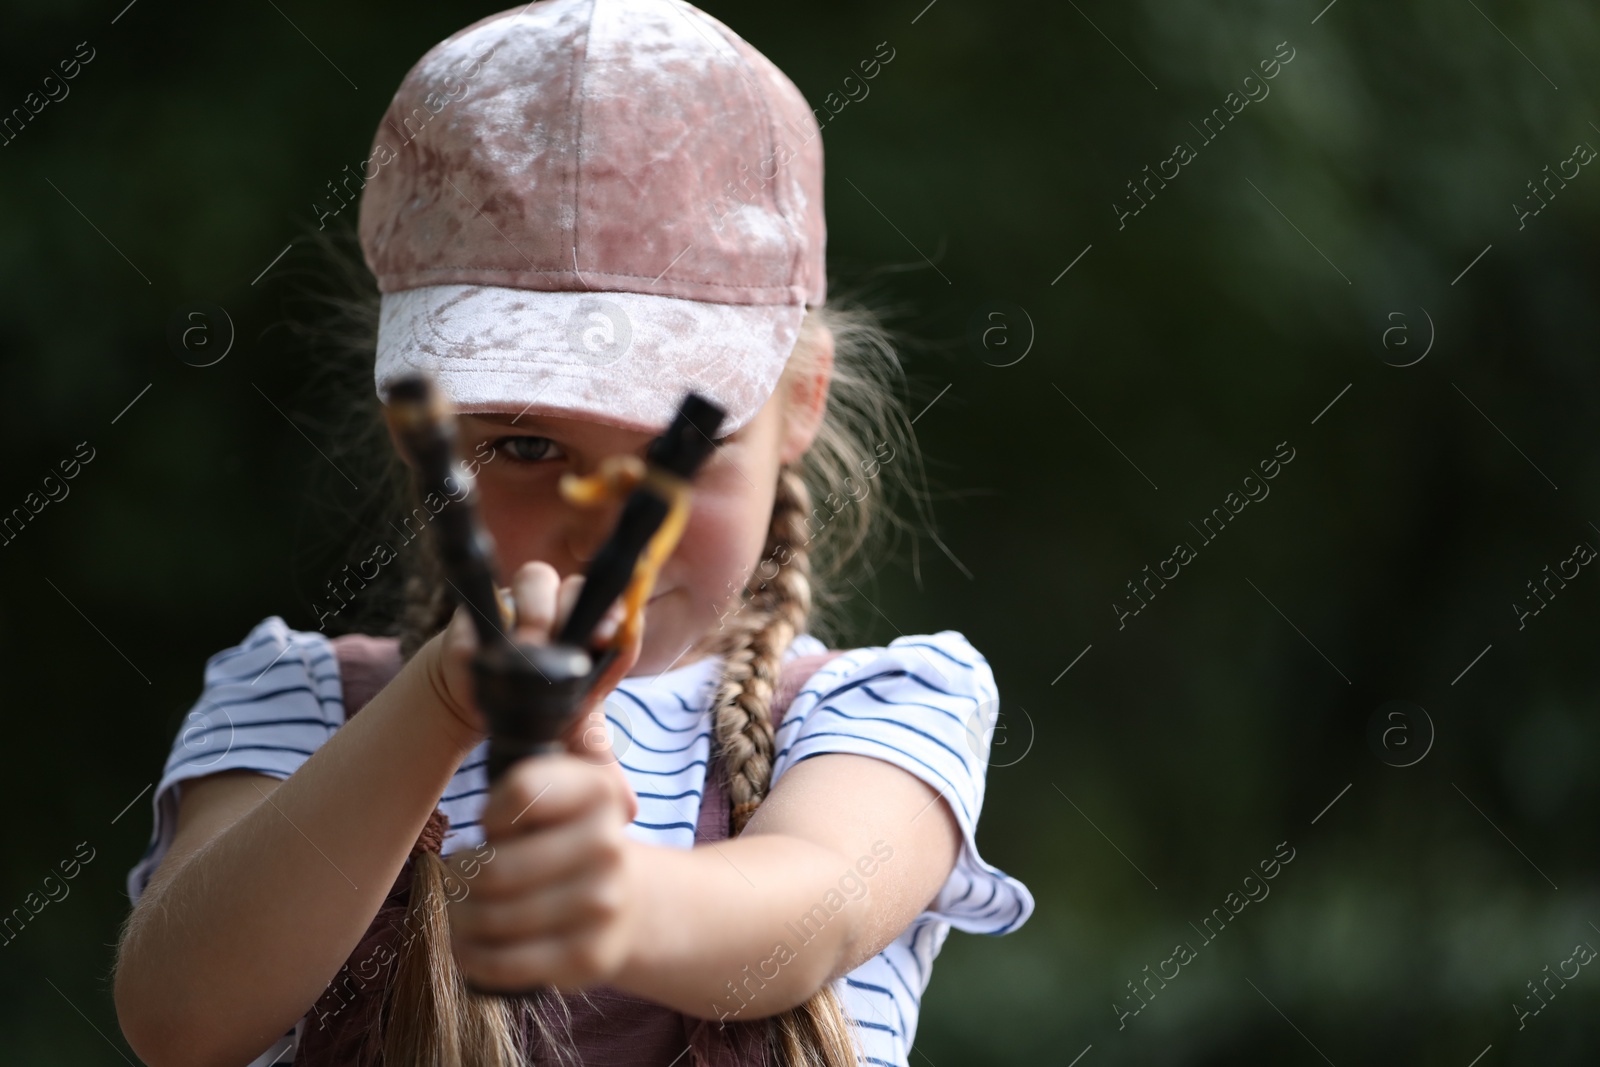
[[543, 601], [558, 902]]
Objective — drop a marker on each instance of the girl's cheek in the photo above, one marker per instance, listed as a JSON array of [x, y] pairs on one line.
[[717, 549], [736, 521]]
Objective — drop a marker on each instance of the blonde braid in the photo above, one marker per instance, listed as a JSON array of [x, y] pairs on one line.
[[816, 1033], [776, 609]]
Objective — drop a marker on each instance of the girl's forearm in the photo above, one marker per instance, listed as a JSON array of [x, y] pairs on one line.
[[223, 956], [744, 928]]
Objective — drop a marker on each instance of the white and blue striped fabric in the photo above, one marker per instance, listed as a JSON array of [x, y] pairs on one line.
[[921, 703]]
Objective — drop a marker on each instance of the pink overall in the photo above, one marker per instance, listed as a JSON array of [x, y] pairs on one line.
[[608, 1028]]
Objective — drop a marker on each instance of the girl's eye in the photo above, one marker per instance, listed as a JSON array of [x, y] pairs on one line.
[[528, 449]]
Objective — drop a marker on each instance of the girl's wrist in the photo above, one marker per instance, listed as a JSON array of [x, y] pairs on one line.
[[443, 707]]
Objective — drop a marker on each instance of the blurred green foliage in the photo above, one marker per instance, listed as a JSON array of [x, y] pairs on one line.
[[1248, 294]]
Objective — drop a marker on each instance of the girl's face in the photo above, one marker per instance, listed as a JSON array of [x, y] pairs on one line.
[[730, 512]]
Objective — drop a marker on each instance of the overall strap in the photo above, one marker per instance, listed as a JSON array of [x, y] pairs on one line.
[[366, 665], [796, 673], [715, 810]]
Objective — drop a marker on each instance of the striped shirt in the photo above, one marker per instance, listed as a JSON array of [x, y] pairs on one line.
[[922, 703]]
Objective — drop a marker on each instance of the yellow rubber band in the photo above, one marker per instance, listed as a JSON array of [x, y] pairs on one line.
[[614, 479]]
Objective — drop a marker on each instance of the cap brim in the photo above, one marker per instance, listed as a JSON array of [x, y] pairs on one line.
[[627, 359]]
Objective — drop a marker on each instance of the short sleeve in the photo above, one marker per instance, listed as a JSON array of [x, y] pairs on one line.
[[266, 705], [922, 703]]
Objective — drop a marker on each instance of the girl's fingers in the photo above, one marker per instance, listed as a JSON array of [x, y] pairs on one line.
[[567, 963], [530, 862], [545, 791], [534, 589], [544, 601], [560, 909]]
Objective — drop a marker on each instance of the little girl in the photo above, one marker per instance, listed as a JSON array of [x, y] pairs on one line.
[[577, 211]]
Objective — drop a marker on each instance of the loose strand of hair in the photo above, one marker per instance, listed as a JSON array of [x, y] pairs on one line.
[[860, 496]]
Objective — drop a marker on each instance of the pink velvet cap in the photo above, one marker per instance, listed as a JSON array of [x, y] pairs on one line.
[[588, 207]]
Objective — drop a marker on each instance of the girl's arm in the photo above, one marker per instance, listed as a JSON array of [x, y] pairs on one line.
[[259, 902], [270, 885], [835, 864]]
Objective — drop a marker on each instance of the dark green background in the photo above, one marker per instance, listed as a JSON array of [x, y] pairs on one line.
[[1196, 339]]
